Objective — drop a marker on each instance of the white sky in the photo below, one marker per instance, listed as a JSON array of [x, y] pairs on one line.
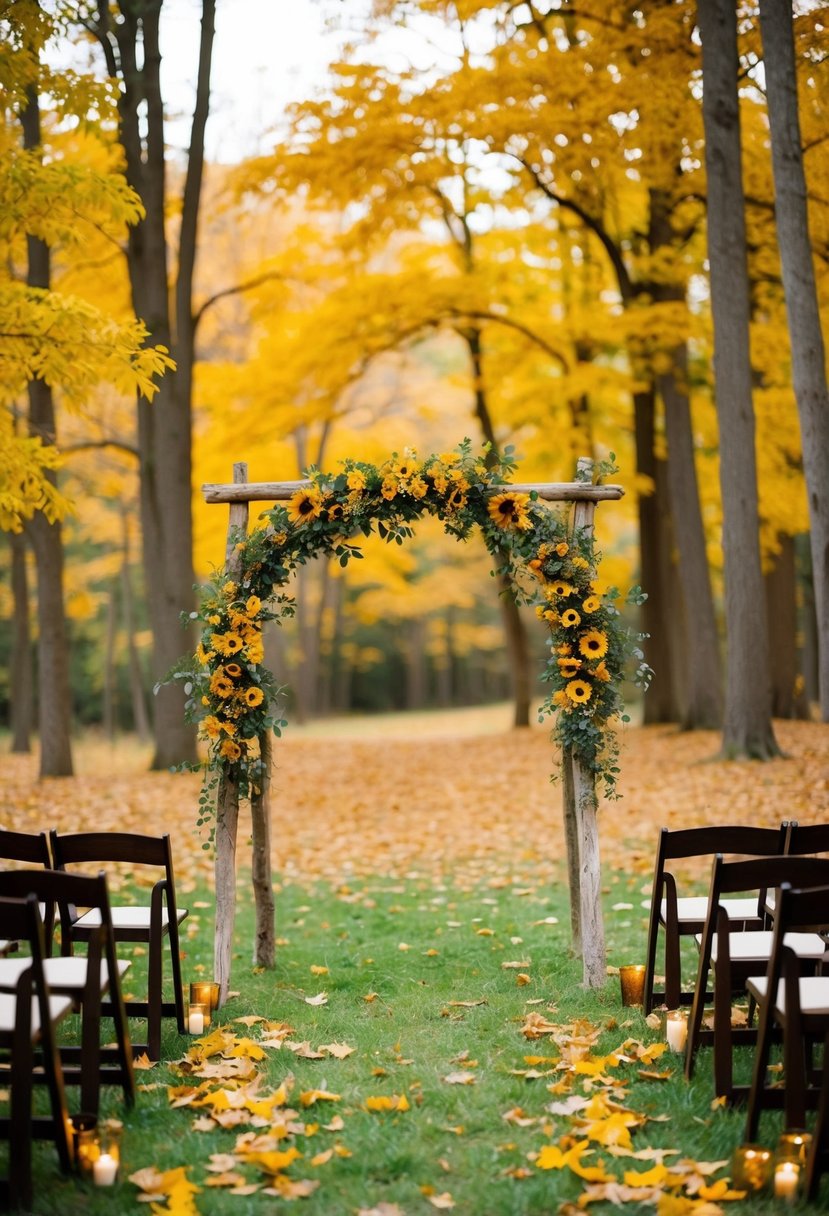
[[266, 54]]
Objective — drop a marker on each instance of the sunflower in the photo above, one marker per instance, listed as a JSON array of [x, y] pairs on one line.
[[593, 644], [389, 488], [509, 511], [227, 643], [211, 726], [601, 673], [220, 684], [456, 500], [204, 656], [581, 563], [356, 480], [578, 691], [335, 511], [418, 487], [256, 650], [564, 648], [568, 667], [561, 699], [569, 618], [304, 506], [562, 549], [254, 697], [233, 670], [230, 750], [560, 588], [592, 604], [253, 605]]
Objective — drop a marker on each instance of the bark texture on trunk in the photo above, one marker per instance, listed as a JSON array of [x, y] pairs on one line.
[[264, 941], [20, 672], [788, 688], [805, 333], [747, 728]]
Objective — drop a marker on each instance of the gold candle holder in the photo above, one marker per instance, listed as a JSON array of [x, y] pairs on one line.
[[751, 1167], [793, 1145], [201, 993], [632, 980], [85, 1143]]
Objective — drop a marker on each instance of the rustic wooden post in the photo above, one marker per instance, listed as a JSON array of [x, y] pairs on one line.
[[571, 844], [227, 800], [264, 946], [586, 804]]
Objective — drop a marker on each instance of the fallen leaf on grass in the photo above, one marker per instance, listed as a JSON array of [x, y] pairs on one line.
[[338, 1050], [466, 1004], [519, 966], [384, 1102], [382, 1209], [287, 1188], [310, 1096], [316, 969], [305, 1051], [443, 1201], [320, 999], [143, 1062], [460, 1078]]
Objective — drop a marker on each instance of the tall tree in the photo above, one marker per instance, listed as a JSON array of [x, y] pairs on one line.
[[805, 333], [128, 32], [747, 727]]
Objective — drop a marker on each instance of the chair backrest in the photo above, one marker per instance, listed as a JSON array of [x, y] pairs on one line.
[[32, 848], [801, 909], [84, 848], [20, 920], [760, 873], [807, 838], [64, 892], [738, 839]]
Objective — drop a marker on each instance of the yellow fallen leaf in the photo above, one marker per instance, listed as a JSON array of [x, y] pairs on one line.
[[310, 1096], [522, 979], [652, 1177], [385, 1102], [318, 970], [338, 1050], [143, 1062], [322, 1158]]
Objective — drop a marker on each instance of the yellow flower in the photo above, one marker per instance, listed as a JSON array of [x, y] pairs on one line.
[[256, 650], [279, 538], [233, 670], [405, 468], [214, 619], [227, 643], [230, 750], [592, 604], [561, 699], [220, 684], [254, 697], [593, 645], [601, 672], [456, 500], [204, 656], [229, 589], [417, 487], [568, 667], [562, 549], [335, 511], [449, 457], [356, 480], [578, 691], [304, 506], [564, 648], [560, 588], [581, 563], [569, 618], [211, 726], [439, 481], [389, 487], [253, 606], [509, 511]]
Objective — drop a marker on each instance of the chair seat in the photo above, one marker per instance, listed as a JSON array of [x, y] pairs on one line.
[[814, 994], [62, 974], [755, 945], [126, 917], [59, 1006], [694, 909]]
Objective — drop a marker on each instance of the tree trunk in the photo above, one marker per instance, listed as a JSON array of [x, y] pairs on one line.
[[787, 686], [164, 428], [514, 629], [264, 946], [699, 659], [415, 657], [802, 311], [140, 719], [659, 704], [20, 673], [54, 701], [110, 678], [571, 847], [747, 724]]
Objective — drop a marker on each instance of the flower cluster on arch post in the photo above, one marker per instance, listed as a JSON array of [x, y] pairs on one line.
[[233, 696]]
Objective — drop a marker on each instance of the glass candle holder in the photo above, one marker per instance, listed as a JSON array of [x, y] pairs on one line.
[[787, 1181], [85, 1143], [676, 1029], [198, 1017], [201, 993], [632, 981], [793, 1145], [751, 1167]]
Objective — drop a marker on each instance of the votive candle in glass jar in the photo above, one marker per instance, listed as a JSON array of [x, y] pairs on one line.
[[786, 1181], [201, 994], [632, 981], [676, 1029], [751, 1167]]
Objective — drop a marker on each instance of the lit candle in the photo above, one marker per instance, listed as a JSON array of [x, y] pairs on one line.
[[794, 1146], [676, 1029], [632, 980], [750, 1167], [786, 1179], [195, 1019], [105, 1170], [201, 993]]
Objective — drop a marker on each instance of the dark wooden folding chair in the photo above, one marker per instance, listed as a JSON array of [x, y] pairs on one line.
[[794, 1002], [684, 916], [83, 978], [132, 923], [817, 1162], [29, 849], [737, 955], [29, 1014]]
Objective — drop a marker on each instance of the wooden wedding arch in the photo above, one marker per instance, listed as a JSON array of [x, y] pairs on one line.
[[579, 795]]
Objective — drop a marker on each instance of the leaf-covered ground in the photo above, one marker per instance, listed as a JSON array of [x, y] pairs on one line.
[[423, 1042]]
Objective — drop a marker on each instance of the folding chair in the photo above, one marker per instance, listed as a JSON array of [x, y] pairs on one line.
[[738, 955], [85, 979], [817, 1161], [132, 923], [32, 849], [685, 917], [28, 1016], [799, 1007]]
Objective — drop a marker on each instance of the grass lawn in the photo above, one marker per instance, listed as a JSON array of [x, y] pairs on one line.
[[403, 910]]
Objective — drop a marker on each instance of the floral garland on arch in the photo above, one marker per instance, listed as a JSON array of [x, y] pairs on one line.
[[232, 695]]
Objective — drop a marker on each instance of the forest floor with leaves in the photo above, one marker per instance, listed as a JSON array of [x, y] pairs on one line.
[[423, 1042]]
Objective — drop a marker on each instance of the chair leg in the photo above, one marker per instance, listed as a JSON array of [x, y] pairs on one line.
[[819, 1148], [178, 989], [20, 1127], [758, 1079], [723, 1060], [154, 994]]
